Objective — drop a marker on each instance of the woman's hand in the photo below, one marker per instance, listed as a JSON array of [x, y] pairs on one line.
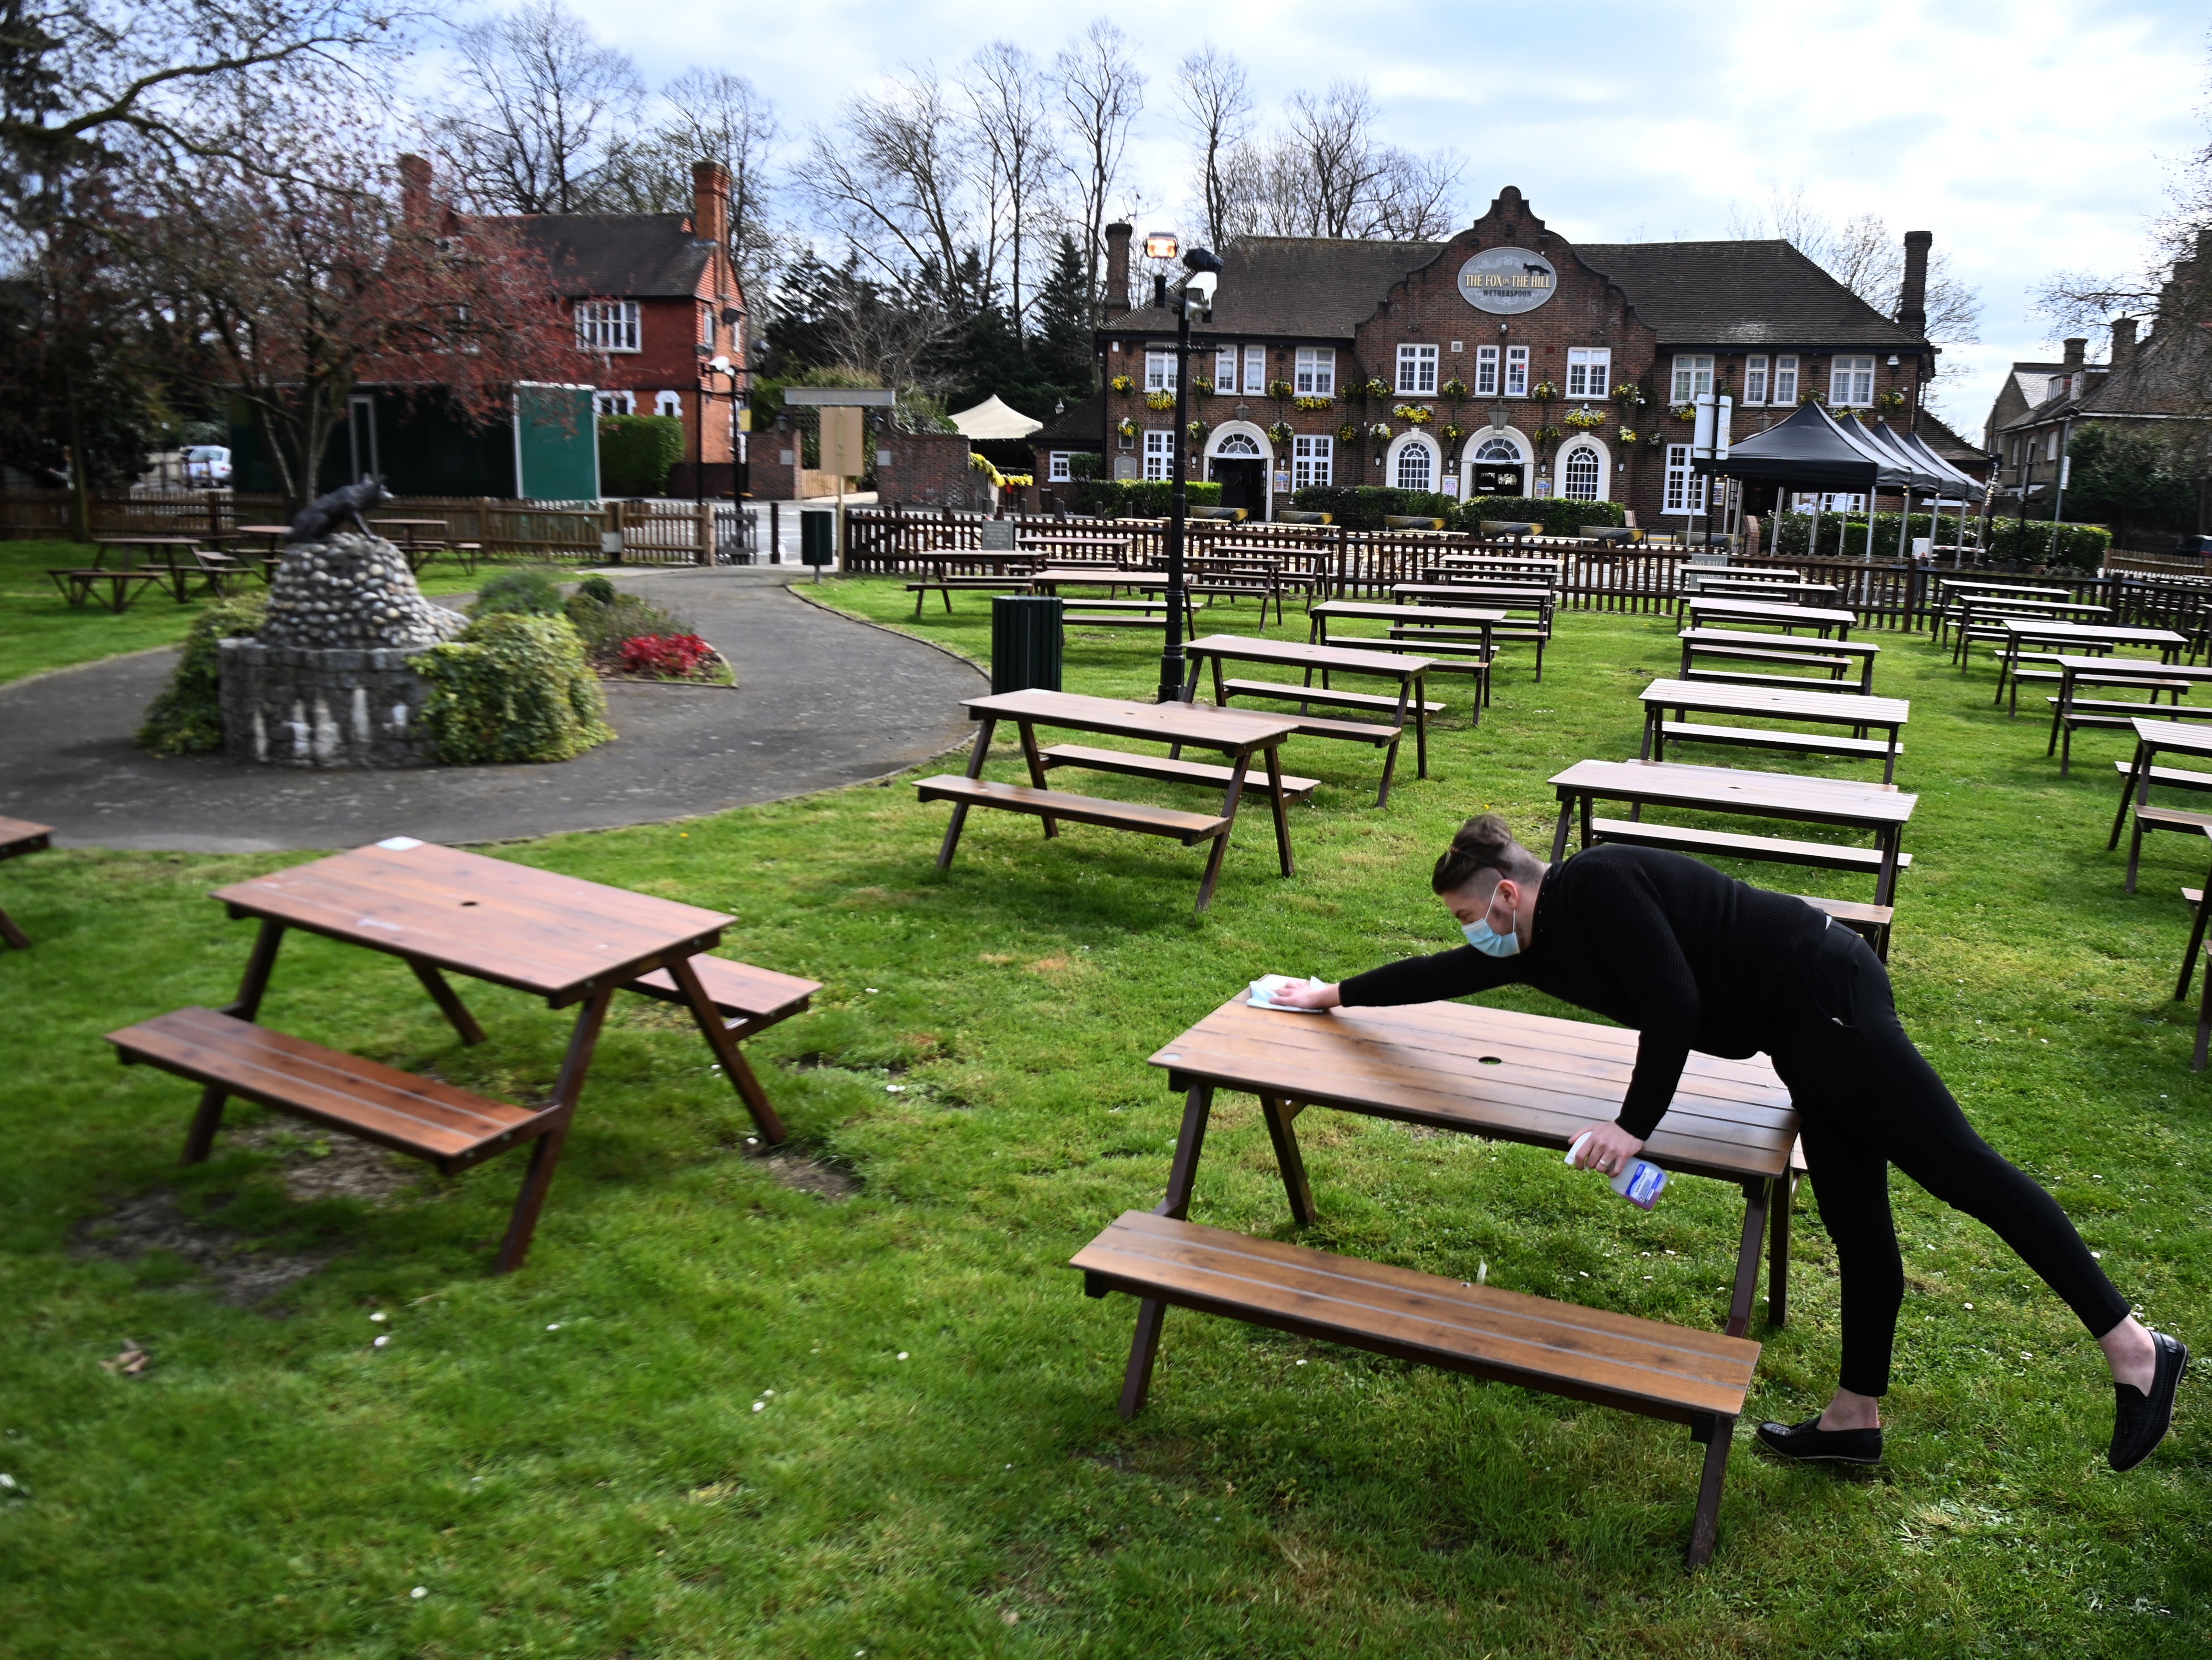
[[1306, 997], [1609, 1148]]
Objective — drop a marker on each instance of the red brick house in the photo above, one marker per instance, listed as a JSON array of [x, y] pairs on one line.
[[659, 311], [1506, 361]]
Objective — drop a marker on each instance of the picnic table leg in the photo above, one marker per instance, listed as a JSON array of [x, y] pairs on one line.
[[1028, 731], [1137, 1381], [1566, 822], [1276, 803], [2137, 773], [15, 936], [1221, 842], [1279, 1113], [448, 999], [1719, 1431], [1757, 1196], [1389, 764], [1778, 1249], [2203, 1026], [1420, 723], [724, 1042], [207, 1118], [545, 1151], [960, 808], [2196, 942]]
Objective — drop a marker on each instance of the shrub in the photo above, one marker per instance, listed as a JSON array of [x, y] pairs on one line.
[[186, 717], [1138, 498], [675, 655], [514, 687], [597, 589], [1364, 507], [605, 625], [527, 589], [2080, 547], [636, 452], [1559, 516]]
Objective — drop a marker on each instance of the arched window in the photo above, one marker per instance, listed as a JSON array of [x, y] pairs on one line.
[[1417, 467], [1581, 474], [1498, 449], [668, 403], [1241, 444]]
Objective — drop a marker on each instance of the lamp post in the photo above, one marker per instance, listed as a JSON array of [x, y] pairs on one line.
[[1195, 295]]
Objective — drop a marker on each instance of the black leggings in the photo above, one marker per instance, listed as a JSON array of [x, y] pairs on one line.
[[1867, 1099]]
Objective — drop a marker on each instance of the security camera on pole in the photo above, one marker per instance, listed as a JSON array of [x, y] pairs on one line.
[[1195, 295]]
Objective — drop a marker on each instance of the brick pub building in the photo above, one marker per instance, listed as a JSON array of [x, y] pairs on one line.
[[1504, 361]]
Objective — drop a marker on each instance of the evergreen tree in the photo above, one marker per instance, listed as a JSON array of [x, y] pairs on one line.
[[1062, 351]]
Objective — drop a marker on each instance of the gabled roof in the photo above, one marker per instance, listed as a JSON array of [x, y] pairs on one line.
[[2033, 381], [618, 256], [1311, 286], [1741, 294], [2169, 374]]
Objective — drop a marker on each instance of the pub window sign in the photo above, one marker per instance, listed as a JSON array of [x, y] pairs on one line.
[[1506, 282]]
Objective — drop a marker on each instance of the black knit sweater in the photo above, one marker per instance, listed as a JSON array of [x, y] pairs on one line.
[[1690, 958]]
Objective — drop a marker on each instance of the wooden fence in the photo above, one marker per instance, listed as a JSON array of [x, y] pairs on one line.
[[643, 532]]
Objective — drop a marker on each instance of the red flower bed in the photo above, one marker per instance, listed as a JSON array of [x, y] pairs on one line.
[[678, 655]]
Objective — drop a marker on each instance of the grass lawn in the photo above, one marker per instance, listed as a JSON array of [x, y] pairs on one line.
[[40, 630], [585, 1458]]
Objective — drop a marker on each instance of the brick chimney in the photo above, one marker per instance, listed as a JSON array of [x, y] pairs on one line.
[[2123, 342], [710, 202], [2078, 350], [414, 191], [1117, 269], [1912, 297]]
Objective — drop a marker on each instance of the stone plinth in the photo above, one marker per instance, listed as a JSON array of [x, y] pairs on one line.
[[301, 706]]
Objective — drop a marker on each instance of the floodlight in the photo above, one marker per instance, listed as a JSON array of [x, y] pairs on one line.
[[1161, 245]]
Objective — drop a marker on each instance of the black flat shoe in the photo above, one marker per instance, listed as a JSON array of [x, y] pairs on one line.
[[1808, 1443], [2139, 1421]]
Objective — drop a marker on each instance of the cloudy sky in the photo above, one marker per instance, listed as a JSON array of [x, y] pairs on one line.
[[2030, 137]]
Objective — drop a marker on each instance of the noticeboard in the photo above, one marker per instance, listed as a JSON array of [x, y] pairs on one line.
[[556, 443]]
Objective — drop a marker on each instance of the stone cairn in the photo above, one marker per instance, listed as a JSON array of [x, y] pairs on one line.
[[330, 681]]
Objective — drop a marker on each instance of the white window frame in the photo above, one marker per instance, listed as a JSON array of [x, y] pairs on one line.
[[607, 325], [708, 328], [1851, 383], [1159, 369], [614, 403], [1693, 376], [1754, 379], [1256, 368], [1405, 445], [1159, 452], [1517, 371], [1589, 370], [1486, 371], [1057, 470], [1417, 371], [1575, 448], [1685, 490], [1313, 459], [668, 403], [1785, 379], [1224, 369], [1316, 372], [2050, 444]]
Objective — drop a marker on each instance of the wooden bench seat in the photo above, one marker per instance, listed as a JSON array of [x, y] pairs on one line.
[[1129, 764], [123, 586], [1638, 1365], [1800, 743], [1382, 702], [1725, 844], [1871, 923], [749, 1000], [949, 585], [1187, 827], [17, 838], [1755, 678], [1808, 659]]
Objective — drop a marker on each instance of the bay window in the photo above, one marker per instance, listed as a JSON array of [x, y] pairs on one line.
[[1316, 372], [1589, 368]]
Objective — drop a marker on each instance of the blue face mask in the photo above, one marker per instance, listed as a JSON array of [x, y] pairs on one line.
[[1490, 943]]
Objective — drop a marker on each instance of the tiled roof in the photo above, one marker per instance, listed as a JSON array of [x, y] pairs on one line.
[[1741, 294], [1310, 287], [2169, 374], [1938, 436], [626, 256], [1081, 426]]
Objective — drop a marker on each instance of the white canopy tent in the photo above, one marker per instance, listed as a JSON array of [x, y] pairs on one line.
[[992, 419]]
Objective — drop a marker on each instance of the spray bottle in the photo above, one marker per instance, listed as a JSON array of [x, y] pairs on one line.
[[1640, 1183]]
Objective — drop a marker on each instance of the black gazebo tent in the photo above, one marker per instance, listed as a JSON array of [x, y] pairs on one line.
[[1809, 451]]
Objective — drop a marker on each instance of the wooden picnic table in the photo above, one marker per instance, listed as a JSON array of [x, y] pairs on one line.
[[2068, 712], [1835, 656], [1950, 590], [2023, 630], [1820, 618], [17, 838], [180, 558], [1458, 638], [1854, 709], [264, 560], [442, 909], [1411, 674], [1980, 617], [1804, 594], [2154, 739], [1482, 595], [1490, 1073], [1881, 809], [1240, 734]]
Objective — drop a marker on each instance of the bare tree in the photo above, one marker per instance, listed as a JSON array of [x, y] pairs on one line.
[[1334, 135], [1861, 254], [542, 94], [1101, 92], [1413, 198], [1216, 96], [1327, 173], [1014, 146], [893, 180]]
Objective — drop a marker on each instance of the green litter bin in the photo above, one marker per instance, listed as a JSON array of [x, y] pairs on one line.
[[817, 537], [1025, 642]]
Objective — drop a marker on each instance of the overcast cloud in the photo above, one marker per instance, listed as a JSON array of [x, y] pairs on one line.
[[2029, 136]]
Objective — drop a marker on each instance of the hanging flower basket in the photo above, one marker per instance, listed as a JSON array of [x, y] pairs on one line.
[[1375, 390], [1584, 419], [1125, 426], [1543, 392], [1455, 390], [1891, 399], [1201, 385], [1547, 435], [1683, 411], [1122, 384], [1347, 434], [1628, 435], [1159, 400], [1453, 435], [1414, 415], [1278, 389], [1282, 432], [1380, 432], [1198, 431], [1628, 394], [1313, 401]]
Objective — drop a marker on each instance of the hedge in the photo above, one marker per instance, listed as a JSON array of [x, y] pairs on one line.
[[1138, 498], [2082, 547], [636, 452], [1558, 516], [1844, 536], [1364, 507], [185, 718], [514, 687]]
